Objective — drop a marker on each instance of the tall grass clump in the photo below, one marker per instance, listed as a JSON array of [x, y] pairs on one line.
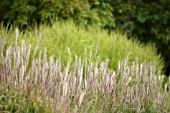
[[45, 85], [63, 35]]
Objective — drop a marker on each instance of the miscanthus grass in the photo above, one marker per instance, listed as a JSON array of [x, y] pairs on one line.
[[63, 35], [41, 84]]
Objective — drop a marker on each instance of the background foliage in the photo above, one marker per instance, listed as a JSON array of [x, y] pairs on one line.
[[148, 20], [26, 12]]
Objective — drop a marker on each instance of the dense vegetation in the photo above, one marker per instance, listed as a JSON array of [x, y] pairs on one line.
[[63, 35], [147, 20], [35, 82], [83, 56]]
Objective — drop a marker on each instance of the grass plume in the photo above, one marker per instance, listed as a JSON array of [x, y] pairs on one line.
[[42, 84]]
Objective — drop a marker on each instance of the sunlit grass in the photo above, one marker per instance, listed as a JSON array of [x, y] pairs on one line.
[[63, 35]]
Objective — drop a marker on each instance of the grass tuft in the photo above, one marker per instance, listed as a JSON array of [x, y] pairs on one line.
[[63, 35]]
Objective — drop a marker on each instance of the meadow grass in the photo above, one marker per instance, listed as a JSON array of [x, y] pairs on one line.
[[63, 35], [81, 87]]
